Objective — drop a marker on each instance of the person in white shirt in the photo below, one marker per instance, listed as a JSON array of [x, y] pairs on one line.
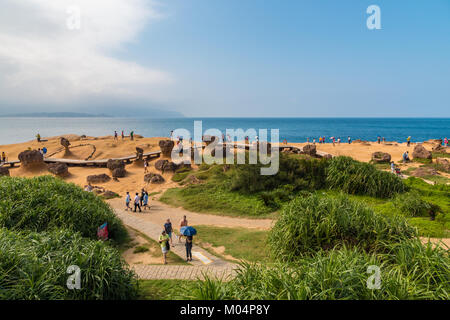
[[137, 202], [127, 201]]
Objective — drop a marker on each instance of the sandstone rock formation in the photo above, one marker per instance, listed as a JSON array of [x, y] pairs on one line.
[[166, 147], [65, 143], [4, 172], [381, 157], [153, 178], [421, 153], [423, 171], [310, 149], [118, 172], [444, 163], [139, 153], [98, 178], [31, 158], [58, 169]]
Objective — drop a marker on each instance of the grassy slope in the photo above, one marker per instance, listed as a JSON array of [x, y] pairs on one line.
[[240, 243], [163, 289]]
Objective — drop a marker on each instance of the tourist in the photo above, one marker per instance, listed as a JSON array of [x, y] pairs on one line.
[[406, 157], [392, 167], [141, 199], [189, 248], [136, 202], [446, 142], [123, 135], [379, 139], [44, 151], [145, 165], [165, 246], [183, 223], [145, 201], [334, 141], [38, 137], [307, 140], [171, 134], [3, 156], [339, 141], [320, 140], [168, 228], [408, 141], [115, 135], [384, 139], [314, 141], [349, 140], [89, 187], [132, 135], [127, 201]]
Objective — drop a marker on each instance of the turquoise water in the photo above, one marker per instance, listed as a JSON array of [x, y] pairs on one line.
[[13, 130]]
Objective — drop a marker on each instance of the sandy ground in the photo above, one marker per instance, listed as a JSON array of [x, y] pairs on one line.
[[152, 256]]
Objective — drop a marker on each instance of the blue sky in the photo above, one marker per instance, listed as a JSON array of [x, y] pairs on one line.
[[282, 58]]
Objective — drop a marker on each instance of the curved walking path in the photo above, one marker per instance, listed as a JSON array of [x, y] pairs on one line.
[[159, 212], [203, 262]]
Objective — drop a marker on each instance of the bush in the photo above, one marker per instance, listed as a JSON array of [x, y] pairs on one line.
[[302, 174], [34, 266], [355, 177], [419, 273], [411, 204], [309, 224], [44, 203]]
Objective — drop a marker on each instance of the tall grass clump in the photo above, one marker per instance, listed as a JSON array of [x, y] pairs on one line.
[[356, 177], [309, 224], [44, 203], [417, 273], [411, 204], [33, 266], [302, 174]]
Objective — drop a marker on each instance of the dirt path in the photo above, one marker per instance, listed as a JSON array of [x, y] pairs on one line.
[[160, 212]]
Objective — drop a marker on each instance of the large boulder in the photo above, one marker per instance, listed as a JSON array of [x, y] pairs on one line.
[[139, 153], [170, 166], [444, 163], [310, 149], [98, 178], [31, 158], [381, 157], [4, 172], [166, 147], [159, 165], [115, 164], [421, 153], [439, 148], [65, 143], [153, 178], [58, 169], [118, 172]]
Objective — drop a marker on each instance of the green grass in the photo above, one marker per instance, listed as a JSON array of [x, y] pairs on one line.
[[440, 155], [215, 199], [164, 289], [46, 203], [140, 249], [240, 243]]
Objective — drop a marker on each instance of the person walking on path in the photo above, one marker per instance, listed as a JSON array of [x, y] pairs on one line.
[[145, 201], [189, 248], [169, 230], [165, 246], [408, 141], [183, 223], [141, 199], [127, 201], [145, 165], [136, 202]]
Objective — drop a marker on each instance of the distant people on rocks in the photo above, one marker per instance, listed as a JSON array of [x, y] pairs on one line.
[[384, 139], [123, 135], [339, 141], [349, 140], [44, 151], [132, 135], [145, 165], [127, 201], [137, 201], [38, 137], [3, 156], [379, 139], [408, 141], [115, 135], [446, 142], [165, 245]]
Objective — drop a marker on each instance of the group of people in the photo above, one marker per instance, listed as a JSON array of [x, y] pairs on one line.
[[140, 201], [116, 135], [165, 239]]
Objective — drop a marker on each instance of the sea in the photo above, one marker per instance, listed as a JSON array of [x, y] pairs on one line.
[[15, 130]]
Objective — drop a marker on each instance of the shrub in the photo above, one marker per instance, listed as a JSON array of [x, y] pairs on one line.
[[302, 174], [355, 177], [313, 223], [43, 203], [338, 274], [34, 266], [411, 204]]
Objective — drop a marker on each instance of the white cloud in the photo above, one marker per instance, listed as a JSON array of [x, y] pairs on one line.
[[42, 61]]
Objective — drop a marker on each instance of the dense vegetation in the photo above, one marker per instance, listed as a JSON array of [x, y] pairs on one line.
[[307, 225], [44, 203], [47, 225]]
